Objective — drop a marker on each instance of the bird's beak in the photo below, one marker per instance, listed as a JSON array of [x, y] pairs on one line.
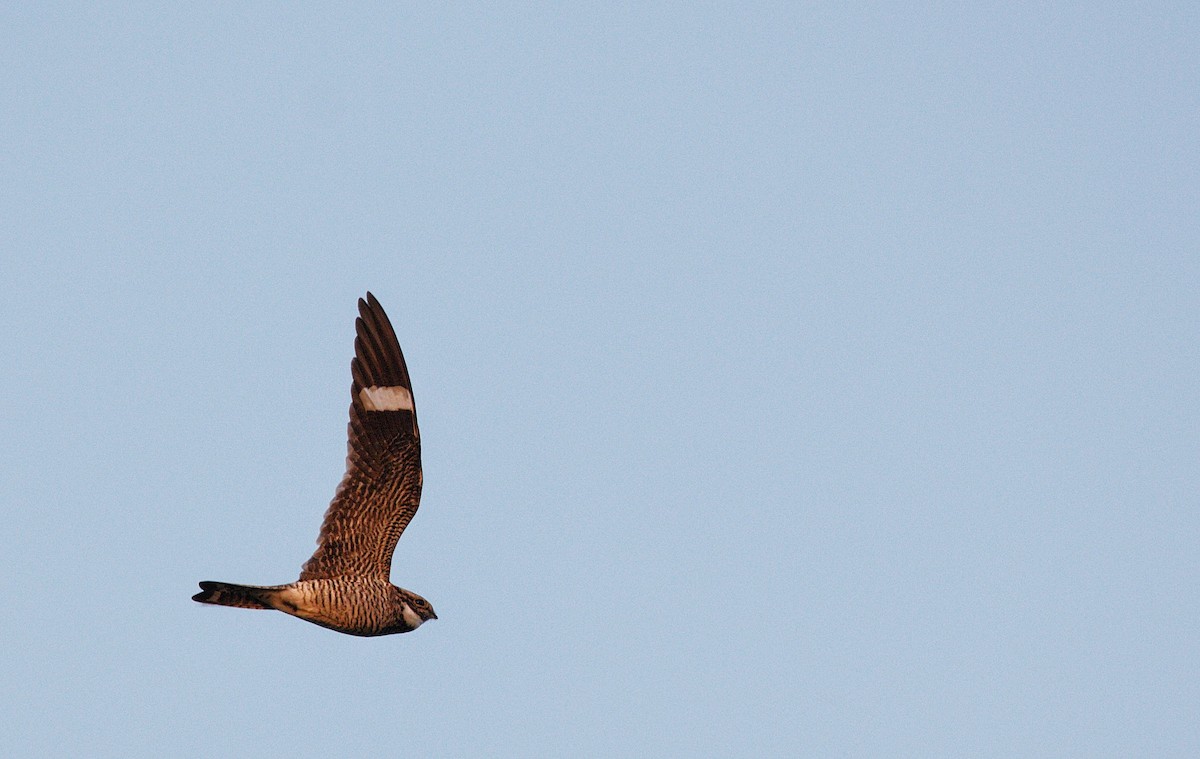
[[432, 614]]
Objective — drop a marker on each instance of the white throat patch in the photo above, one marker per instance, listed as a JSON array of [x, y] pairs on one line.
[[411, 617], [386, 398]]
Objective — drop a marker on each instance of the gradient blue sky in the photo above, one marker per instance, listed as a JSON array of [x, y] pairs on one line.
[[796, 379]]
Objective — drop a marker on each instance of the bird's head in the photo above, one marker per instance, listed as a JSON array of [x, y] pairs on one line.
[[415, 610]]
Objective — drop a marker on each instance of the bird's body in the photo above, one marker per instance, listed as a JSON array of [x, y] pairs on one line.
[[353, 605], [345, 586]]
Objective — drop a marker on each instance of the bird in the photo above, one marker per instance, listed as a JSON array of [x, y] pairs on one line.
[[346, 585]]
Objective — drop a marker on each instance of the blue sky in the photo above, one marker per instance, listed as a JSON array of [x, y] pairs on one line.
[[795, 379]]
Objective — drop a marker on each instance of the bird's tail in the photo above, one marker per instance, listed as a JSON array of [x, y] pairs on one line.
[[241, 596]]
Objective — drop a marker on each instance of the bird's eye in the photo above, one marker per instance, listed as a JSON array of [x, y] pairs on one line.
[[421, 602]]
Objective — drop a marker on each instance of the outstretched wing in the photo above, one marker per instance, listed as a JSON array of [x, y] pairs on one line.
[[381, 489]]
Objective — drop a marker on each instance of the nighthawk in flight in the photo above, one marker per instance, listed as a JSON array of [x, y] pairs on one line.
[[345, 586]]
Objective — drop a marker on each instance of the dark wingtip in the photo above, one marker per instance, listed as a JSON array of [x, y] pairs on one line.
[[368, 304]]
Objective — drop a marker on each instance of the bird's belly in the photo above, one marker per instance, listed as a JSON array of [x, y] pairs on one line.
[[356, 609]]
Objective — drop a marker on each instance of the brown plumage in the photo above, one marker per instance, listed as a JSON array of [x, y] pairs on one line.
[[345, 585]]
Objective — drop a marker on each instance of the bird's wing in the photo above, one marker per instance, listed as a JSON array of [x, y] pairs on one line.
[[381, 489]]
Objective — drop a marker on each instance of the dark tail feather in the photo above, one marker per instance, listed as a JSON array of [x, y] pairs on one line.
[[228, 594]]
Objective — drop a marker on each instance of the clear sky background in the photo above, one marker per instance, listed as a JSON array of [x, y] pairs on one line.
[[795, 379]]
